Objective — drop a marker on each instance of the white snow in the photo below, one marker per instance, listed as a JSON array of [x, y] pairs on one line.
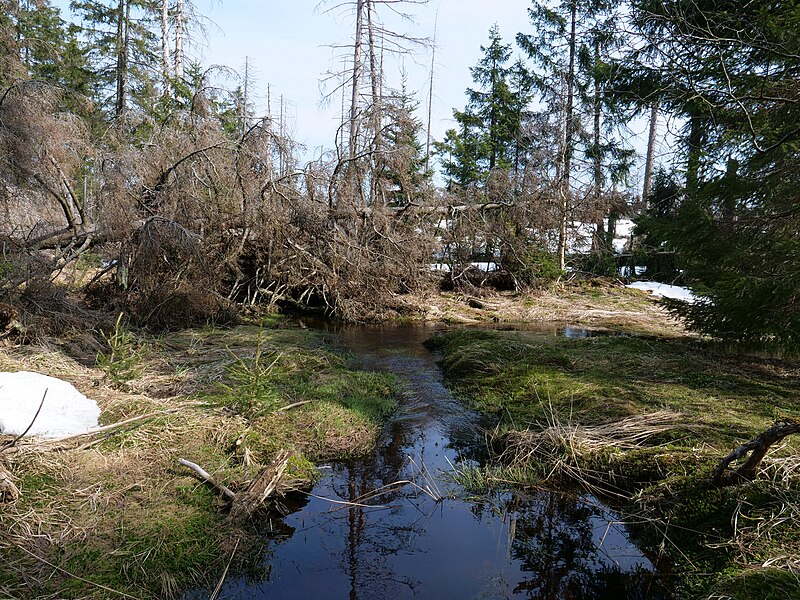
[[662, 289], [65, 410]]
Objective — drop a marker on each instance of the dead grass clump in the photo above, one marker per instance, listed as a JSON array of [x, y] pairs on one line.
[[111, 512], [570, 451]]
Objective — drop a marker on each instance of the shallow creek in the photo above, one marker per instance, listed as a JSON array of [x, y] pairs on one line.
[[362, 535]]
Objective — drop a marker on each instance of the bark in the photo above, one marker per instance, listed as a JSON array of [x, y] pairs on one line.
[[566, 158], [356, 77], [165, 66], [180, 32], [430, 99], [599, 235], [651, 151], [375, 121], [695, 151], [758, 449], [123, 45]]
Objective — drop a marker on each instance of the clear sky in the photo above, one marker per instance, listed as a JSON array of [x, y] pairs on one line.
[[288, 44]]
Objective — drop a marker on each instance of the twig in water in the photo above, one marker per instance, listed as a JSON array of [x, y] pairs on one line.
[[218, 589]]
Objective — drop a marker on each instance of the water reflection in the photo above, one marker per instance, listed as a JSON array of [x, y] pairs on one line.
[[362, 536]]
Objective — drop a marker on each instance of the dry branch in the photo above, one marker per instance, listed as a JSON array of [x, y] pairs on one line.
[[245, 503], [208, 478], [758, 449]]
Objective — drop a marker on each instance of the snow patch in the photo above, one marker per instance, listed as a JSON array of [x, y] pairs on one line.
[[65, 410], [662, 289]]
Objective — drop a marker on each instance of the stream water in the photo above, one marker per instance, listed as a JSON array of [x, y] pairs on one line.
[[361, 535]]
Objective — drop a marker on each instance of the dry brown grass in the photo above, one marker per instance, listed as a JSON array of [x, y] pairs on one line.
[[606, 305], [115, 504]]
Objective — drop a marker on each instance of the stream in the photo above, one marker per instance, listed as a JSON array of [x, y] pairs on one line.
[[362, 535]]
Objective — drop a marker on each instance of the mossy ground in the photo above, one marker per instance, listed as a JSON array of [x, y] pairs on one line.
[[118, 512], [738, 542]]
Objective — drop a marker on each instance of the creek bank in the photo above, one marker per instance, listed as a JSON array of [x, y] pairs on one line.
[[644, 422], [594, 303], [115, 514]]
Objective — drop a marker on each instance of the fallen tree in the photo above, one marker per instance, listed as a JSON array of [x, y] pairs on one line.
[[244, 503]]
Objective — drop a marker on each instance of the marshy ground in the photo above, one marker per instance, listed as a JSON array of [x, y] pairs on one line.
[[641, 420], [115, 511]]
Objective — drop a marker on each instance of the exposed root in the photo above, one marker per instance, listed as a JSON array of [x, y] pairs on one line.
[[757, 449]]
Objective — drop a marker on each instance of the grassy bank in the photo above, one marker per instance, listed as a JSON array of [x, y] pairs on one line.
[[114, 515], [644, 422]]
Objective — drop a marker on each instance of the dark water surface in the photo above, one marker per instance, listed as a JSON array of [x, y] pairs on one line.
[[400, 542]]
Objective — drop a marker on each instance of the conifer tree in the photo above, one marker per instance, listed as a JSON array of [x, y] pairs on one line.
[[725, 68], [488, 137], [121, 48]]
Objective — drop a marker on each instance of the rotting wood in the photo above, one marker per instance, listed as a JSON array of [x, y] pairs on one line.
[[9, 492], [758, 449], [244, 503]]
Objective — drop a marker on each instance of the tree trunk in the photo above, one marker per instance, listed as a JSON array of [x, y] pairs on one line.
[[599, 234], [356, 78], [165, 66], [123, 46], [375, 122], [180, 32], [566, 159], [651, 151], [430, 99], [695, 151]]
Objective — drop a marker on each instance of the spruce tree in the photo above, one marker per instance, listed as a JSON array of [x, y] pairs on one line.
[[121, 48], [726, 68]]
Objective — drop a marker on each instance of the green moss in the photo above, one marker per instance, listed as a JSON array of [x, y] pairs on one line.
[[717, 538], [149, 528]]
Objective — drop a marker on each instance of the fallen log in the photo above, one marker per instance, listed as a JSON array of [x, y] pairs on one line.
[[758, 449], [244, 503]]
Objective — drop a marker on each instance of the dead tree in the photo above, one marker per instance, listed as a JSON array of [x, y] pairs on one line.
[[758, 449]]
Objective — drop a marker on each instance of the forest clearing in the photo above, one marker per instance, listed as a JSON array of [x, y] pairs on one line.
[[419, 360]]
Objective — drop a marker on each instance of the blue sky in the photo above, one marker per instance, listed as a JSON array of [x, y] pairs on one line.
[[288, 46]]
